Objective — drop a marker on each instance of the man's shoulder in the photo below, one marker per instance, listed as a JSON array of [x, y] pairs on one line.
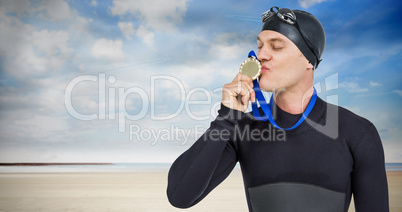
[[351, 125], [348, 117]]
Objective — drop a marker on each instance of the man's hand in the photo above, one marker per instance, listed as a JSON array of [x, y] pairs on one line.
[[235, 95]]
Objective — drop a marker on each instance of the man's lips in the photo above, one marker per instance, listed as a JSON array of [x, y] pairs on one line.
[[264, 69]]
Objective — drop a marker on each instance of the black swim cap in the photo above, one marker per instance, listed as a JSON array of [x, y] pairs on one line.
[[310, 28]]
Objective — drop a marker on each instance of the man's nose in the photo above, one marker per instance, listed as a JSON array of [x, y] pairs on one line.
[[264, 54]]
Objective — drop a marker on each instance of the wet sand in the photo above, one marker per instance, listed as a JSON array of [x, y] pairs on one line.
[[126, 192]]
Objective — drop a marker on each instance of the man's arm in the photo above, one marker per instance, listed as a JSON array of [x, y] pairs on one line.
[[369, 180], [206, 163]]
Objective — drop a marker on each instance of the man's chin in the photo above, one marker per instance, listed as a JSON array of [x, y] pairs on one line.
[[266, 86], [267, 89], [271, 88]]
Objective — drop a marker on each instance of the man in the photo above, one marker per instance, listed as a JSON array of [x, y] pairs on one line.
[[315, 164]]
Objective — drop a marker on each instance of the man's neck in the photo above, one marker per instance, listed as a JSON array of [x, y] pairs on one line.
[[294, 101]]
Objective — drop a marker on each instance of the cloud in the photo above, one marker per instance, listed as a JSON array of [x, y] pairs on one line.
[[127, 29], [81, 25], [225, 46], [56, 10], [45, 96], [31, 55], [94, 3], [399, 92], [39, 123], [47, 50], [13, 35], [146, 35], [308, 3], [161, 15], [34, 111], [51, 42], [22, 7], [108, 49], [352, 87], [229, 46], [375, 84]]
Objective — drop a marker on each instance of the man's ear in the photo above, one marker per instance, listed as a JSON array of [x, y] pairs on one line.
[[310, 66]]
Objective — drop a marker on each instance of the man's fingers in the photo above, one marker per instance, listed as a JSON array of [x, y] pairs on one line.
[[240, 88], [236, 95], [247, 93], [242, 77]]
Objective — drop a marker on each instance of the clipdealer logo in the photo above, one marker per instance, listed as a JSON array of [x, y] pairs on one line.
[[113, 109]]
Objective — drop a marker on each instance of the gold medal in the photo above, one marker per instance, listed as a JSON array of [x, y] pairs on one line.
[[251, 67]]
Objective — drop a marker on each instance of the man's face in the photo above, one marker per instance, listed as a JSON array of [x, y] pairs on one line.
[[283, 65]]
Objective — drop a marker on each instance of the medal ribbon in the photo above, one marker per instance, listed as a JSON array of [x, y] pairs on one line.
[[267, 108]]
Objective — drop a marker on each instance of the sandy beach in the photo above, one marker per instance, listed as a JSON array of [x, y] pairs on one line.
[[126, 192]]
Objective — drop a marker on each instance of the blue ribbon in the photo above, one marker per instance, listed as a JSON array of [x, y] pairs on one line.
[[267, 108], [252, 54]]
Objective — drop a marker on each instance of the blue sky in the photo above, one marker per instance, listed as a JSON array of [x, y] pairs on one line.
[[117, 81]]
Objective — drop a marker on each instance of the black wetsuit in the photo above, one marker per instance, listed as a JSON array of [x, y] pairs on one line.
[[314, 167]]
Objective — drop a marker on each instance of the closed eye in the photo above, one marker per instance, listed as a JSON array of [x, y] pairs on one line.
[[276, 47]]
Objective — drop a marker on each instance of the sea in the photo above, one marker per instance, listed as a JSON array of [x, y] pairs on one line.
[[114, 167], [117, 167]]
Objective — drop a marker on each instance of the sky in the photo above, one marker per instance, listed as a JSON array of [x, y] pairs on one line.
[[129, 81]]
